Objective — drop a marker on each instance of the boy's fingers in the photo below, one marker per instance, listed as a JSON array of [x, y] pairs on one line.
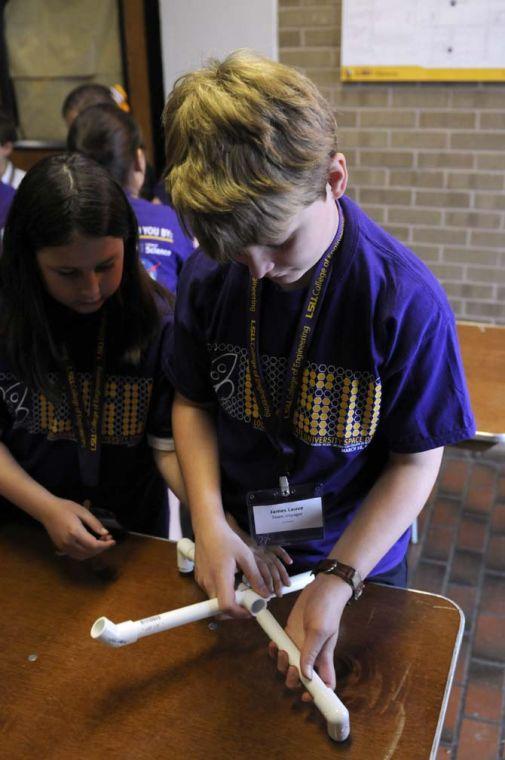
[[103, 546], [266, 575], [282, 661], [325, 666], [276, 579], [292, 678], [85, 540], [314, 641], [253, 575], [89, 542], [233, 610], [97, 548], [77, 550], [280, 552], [225, 592], [283, 573], [327, 674]]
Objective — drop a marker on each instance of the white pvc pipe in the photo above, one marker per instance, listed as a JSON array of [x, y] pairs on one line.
[[121, 634], [326, 701], [130, 631]]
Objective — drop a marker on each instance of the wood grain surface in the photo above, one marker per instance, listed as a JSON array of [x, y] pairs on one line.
[[483, 352], [201, 691]]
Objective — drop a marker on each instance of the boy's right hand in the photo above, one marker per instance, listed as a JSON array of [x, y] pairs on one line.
[[66, 524], [271, 560], [219, 554]]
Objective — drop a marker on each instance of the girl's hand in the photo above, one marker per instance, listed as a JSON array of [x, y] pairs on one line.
[[219, 554], [66, 525], [271, 560], [313, 625]]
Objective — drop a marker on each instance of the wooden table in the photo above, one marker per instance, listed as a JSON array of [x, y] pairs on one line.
[[202, 691], [483, 352]]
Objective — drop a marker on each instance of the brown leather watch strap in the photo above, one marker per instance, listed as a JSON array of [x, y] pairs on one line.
[[349, 574]]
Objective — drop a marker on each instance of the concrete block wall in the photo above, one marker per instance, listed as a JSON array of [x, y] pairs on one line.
[[427, 161]]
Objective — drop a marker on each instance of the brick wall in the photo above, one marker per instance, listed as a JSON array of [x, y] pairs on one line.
[[426, 161]]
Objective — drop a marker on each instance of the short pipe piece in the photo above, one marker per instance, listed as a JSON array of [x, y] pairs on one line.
[[185, 555]]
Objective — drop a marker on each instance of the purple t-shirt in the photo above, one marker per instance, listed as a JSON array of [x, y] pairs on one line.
[[7, 193], [136, 417], [164, 246], [383, 374]]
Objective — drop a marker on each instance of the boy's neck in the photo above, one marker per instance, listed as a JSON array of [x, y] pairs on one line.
[[299, 284], [305, 279]]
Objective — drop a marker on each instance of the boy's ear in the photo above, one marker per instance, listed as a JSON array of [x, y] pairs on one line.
[[337, 175]]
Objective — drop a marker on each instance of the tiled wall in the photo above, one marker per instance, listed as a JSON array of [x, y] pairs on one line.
[[426, 161]]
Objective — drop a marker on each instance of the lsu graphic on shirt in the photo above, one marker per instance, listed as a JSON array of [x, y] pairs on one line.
[[334, 407]]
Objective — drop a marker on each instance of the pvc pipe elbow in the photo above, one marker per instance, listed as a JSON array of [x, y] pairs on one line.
[[185, 555], [114, 634]]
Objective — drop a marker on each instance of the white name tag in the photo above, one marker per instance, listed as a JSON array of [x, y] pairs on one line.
[[303, 514]]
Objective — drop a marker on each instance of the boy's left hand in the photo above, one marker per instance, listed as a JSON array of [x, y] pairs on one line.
[[313, 625]]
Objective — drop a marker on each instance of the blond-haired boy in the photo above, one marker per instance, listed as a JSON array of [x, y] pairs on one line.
[[315, 357]]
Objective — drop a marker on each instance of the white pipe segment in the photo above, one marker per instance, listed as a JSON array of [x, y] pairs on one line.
[[121, 634], [326, 701], [130, 631], [185, 555]]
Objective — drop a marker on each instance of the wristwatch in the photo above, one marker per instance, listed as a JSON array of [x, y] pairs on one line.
[[349, 574]]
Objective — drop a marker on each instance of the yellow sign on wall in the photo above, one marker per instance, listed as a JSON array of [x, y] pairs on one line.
[[423, 40]]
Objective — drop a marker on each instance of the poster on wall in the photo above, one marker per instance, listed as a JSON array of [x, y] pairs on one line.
[[423, 40]]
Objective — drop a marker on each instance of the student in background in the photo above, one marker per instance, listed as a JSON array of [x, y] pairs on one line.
[[9, 174], [316, 358], [112, 138], [84, 397], [94, 94]]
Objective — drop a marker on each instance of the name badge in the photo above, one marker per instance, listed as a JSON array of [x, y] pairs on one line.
[[278, 517]]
